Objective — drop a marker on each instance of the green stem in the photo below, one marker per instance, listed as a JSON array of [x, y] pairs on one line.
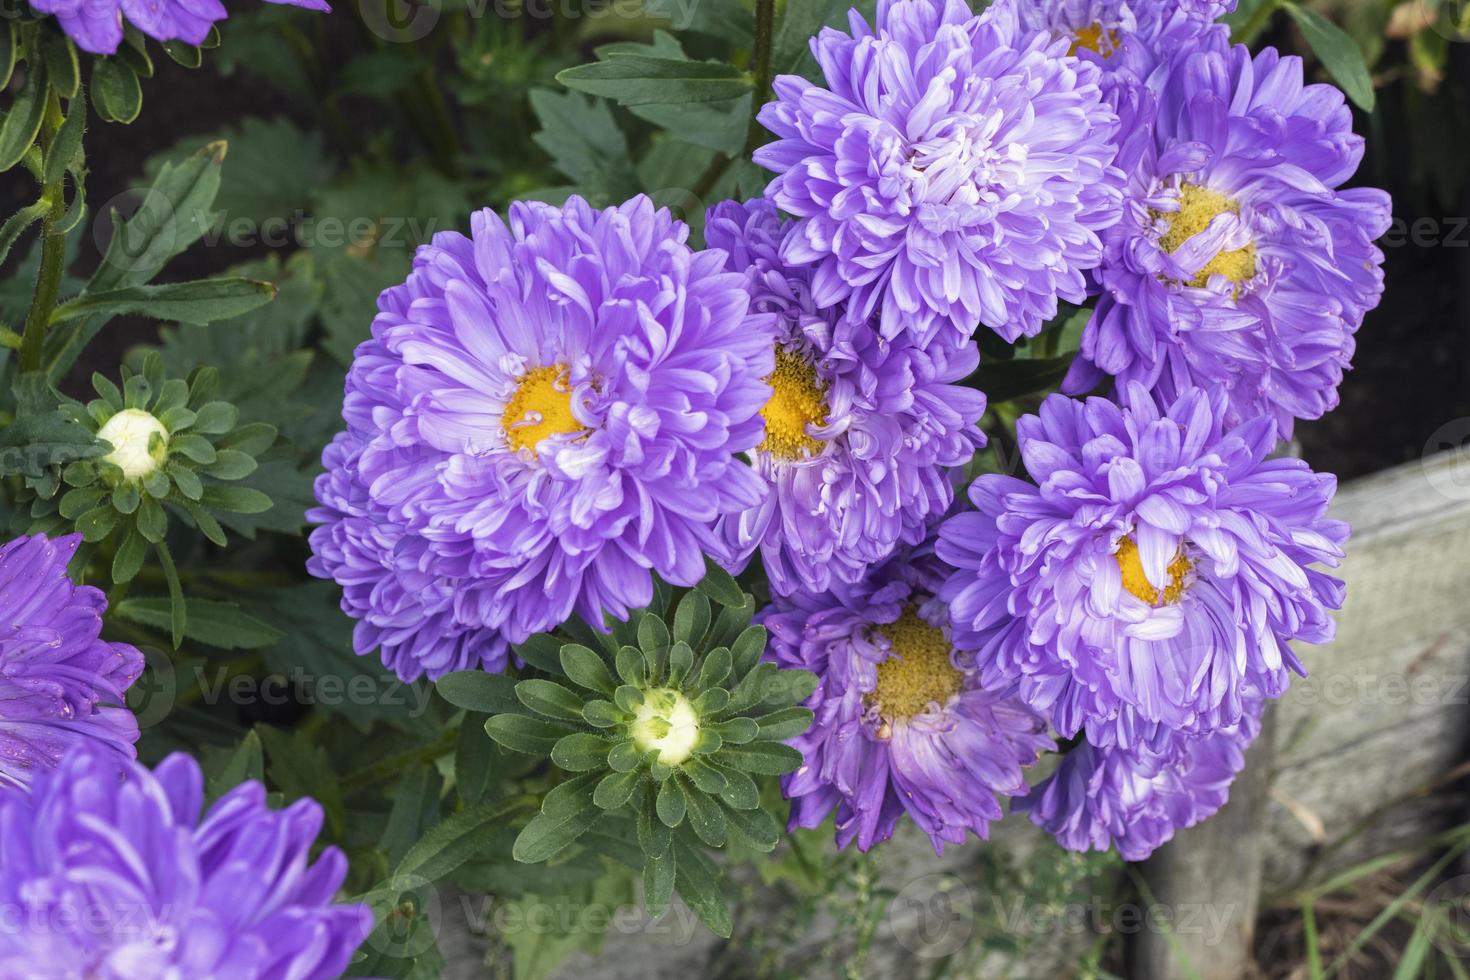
[[760, 67], [53, 251]]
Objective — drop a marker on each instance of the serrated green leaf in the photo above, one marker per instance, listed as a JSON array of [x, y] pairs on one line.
[[549, 834], [634, 80], [698, 883], [219, 624], [457, 839]]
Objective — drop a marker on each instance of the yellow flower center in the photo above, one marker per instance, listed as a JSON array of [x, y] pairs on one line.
[[541, 407], [917, 673], [1198, 206], [1092, 37], [798, 400], [1138, 584]]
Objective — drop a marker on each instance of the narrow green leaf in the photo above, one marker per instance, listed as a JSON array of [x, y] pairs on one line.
[[631, 80], [549, 834], [219, 624], [671, 804], [457, 839], [201, 301], [762, 758], [178, 611], [705, 815], [1340, 54], [585, 668]]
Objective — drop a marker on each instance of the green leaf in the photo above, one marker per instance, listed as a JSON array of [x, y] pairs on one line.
[[541, 651], [129, 558], [705, 815], [550, 699], [245, 763], [800, 22], [174, 214], [692, 618], [219, 624], [178, 620], [475, 758], [300, 767], [17, 223], [23, 121], [548, 834], [757, 826], [65, 152], [632, 80], [761, 758], [720, 586], [61, 64], [115, 90], [1004, 380], [456, 840], [587, 669], [531, 736], [671, 804], [778, 726], [584, 143], [184, 54], [615, 789], [1340, 54], [199, 302], [658, 882], [698, 883], [580, 752], [475, 690], [238, 500]]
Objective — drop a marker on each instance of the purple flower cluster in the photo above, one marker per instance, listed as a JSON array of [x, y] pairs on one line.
[[109, 870], [61, 685], [861, 433], [1144, 589], [1239, 260], [954, 170], [547, 415], [97, 25], [899, 727]]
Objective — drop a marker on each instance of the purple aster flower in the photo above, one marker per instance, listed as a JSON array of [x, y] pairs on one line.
[[97, 25], [547, 414], [955, 170], [860, 432], [1125, 39], [60, 683], [899, 728], [1152, 576], [1239, 262], [107, 870], [1136, 797]]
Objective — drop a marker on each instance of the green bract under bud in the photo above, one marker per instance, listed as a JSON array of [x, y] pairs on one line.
[[664, 723], [139, 443]]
